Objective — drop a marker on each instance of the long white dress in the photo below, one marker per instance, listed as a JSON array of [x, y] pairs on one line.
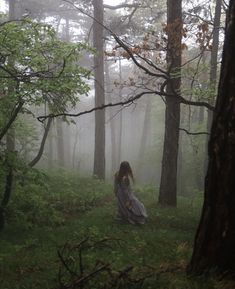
[[130, 208]]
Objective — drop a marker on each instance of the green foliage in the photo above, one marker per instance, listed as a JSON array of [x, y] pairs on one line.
[[160, 249], [36, 68], [29, 205], [72, 193], [47, 199]]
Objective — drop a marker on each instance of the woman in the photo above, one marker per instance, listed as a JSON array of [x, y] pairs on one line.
[[129, 207]]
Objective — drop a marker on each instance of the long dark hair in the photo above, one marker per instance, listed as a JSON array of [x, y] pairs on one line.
[[124, 171]]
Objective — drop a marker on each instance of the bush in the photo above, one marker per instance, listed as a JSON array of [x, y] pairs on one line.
[[46, 198]]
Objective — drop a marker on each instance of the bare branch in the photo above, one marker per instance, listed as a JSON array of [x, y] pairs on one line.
[[127, 102], [124, 5], [193, 133], [196, 103], [40, 152], [120, 103]]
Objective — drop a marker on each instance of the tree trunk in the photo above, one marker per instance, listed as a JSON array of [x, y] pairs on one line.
[[215, 238], [98, 41], [50, 147], [168, 185], [75, 162], [113, 151], [60, 142], [213, 66], [67, 127], [10, 139], [119, 152], [6, 196], [146, 128]]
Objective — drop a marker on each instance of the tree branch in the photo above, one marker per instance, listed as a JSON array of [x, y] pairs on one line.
[[40, 152], [120, 103], [120, 6], [196, 103], [127, 102], [193, 133], [12, 119]]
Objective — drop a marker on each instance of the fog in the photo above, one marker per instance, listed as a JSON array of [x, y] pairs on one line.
[[134, 132]]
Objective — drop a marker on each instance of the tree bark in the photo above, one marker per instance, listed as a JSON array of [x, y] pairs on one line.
[[215, 238], [168, 184], [98, 42]]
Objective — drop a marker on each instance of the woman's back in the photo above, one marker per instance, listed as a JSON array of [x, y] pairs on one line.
[[129, 207]]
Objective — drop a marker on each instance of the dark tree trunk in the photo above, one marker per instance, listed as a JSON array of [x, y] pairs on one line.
[[168, 185], [98, 41], [10, 137], [6, 196], [215, 238]]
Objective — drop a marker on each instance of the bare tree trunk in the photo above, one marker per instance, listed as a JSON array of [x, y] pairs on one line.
[[98, 41], [168, 185], [215, 238], [146, 128], [67, 127], [113, 150], [119, 154], [50, 146], [180, 183], [60, 142], [74, 162], [213, 66]]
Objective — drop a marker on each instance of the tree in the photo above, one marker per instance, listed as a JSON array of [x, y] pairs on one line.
[[113, 147], [215, 236], [213, 65], [168, 185], [44, 71], [98, 42]]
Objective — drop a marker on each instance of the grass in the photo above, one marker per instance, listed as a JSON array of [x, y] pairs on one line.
[[162, 247]]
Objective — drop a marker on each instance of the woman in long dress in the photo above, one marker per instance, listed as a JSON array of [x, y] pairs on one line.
[[130, 208]]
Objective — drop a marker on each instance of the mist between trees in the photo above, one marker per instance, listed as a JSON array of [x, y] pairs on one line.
[[85, 85], [136, 132]]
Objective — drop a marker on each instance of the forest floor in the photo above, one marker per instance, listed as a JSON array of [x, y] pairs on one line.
[[154, 255]]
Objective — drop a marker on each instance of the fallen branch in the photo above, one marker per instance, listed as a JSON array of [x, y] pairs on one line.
[[82, 275]]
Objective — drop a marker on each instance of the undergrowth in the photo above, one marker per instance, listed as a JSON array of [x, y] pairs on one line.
[[54, 215]]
